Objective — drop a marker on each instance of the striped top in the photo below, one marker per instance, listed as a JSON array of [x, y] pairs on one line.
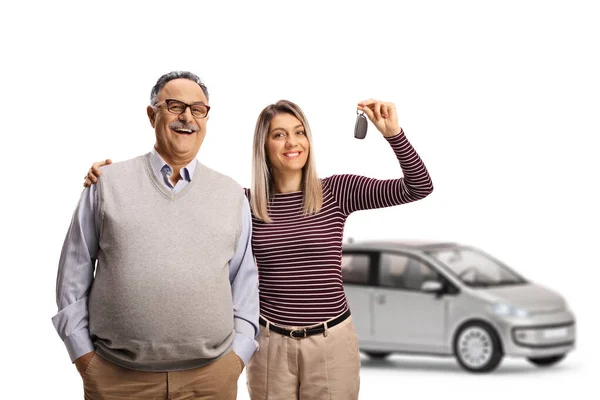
[[299, 257]]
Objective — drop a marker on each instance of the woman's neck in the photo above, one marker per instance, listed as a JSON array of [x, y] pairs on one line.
[[287, 182]]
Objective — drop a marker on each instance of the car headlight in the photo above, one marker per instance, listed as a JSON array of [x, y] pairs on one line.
[[506, 310]]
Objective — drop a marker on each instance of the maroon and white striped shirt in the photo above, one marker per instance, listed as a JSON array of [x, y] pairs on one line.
[[299, 257]]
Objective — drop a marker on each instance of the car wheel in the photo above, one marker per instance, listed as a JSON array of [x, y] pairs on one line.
[[477, 347], [377, 355], [546, 361]]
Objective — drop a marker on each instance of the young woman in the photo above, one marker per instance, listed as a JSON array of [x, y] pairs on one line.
[[308, 347]]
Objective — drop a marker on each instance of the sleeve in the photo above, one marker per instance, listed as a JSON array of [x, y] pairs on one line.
[[75, 276], [354, 193], [243, 276]]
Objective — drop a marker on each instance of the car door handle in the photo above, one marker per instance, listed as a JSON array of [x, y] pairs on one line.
[[380, 298]]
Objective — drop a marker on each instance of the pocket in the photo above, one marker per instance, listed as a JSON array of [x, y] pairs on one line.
[[256, 370], [241, 363], [238, 362], [259, 358], [87, 368], [352, 339]]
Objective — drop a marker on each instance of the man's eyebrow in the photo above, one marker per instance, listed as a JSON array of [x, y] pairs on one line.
[[181, 101]]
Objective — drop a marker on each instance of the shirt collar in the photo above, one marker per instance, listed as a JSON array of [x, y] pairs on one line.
[[157, 163]]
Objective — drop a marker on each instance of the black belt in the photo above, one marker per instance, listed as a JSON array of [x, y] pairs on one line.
[[304, 332]]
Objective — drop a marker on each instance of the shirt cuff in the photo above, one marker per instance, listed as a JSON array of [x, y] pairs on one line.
[[244, 344], [396, 136], [79, 343]]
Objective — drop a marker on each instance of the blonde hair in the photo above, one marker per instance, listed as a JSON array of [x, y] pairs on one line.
[[262, 188]]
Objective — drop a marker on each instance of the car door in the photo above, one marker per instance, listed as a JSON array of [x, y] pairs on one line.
[[358, 273], [404, 316]]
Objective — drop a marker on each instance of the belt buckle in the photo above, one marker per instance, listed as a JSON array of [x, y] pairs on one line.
[[302, 331]]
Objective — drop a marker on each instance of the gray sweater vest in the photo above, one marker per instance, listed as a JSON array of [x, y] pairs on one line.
[[161, 296]]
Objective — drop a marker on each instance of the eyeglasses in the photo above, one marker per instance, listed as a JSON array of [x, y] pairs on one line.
[[199, 110]]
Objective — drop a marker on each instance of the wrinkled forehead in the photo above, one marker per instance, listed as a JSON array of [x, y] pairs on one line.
[[184, 90]]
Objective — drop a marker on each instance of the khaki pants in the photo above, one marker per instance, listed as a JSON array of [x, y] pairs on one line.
[[104, 380], [325, 366]]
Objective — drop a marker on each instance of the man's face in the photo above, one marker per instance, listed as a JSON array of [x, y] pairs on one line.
[[178, 137]]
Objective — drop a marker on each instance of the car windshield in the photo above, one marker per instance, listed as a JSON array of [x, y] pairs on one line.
[[476, 268]]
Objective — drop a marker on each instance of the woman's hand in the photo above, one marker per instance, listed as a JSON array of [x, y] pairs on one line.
[[94, 172], [382, 115]]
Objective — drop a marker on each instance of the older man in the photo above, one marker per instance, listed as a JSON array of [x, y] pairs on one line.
[[171, 308]]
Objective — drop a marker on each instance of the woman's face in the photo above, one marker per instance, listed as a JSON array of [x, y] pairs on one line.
[[287, 146]]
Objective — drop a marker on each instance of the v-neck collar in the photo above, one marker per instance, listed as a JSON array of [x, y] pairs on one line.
[[161, 186]]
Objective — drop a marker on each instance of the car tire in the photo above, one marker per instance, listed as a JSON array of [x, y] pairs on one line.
[[477, 347], [377, 355], [546, 361]]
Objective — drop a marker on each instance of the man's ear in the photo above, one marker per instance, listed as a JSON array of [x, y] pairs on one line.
[[151, 115]]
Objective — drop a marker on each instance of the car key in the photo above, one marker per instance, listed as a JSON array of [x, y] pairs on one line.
[[360, 128]]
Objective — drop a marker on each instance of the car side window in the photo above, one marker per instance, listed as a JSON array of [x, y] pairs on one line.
[[404, 272], [355, 268]]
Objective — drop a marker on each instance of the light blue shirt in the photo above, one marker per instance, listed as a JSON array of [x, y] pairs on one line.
[[80, 252]]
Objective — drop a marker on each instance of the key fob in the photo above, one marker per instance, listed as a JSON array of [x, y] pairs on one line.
[[360, 128]]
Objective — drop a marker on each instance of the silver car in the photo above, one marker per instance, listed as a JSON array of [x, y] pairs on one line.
[[449, 299]]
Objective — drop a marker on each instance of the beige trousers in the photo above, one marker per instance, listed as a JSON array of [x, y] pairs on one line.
[[104, 380], [325, 366]]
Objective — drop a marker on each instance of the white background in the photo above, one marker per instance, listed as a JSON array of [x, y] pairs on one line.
[[500, 99]]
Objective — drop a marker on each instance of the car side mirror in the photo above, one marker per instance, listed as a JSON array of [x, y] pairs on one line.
[[432, 286]]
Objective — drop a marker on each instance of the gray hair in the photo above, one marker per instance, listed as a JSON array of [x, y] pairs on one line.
[[162, 81]]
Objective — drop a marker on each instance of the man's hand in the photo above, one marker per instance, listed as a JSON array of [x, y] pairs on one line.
[[82, 362], [382, 115], [94, 172]]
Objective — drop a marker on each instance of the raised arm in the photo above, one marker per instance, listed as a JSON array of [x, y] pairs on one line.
[[355, 193]]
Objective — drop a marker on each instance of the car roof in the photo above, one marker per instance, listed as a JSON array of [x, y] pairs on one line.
[[394, 245]]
